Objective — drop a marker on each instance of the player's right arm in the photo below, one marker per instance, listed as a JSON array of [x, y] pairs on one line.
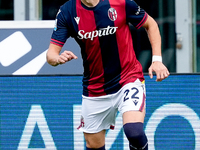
[[59, 36], [54, 57]]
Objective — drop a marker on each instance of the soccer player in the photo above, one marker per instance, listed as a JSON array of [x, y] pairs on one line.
[[113, 79]]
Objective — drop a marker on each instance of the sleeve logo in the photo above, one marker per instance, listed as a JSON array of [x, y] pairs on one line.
[[55, 26], [138, 12]]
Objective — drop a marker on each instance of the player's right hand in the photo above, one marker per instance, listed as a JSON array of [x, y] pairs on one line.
[[65, 57]]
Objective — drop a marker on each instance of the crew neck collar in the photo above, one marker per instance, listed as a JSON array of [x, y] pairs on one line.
[[88, 7]]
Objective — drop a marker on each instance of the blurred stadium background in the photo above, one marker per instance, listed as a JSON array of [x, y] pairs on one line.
[[40, 104], [179, 23]]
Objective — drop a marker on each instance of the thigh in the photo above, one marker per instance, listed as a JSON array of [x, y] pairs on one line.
[[133, 116], [95, 140]]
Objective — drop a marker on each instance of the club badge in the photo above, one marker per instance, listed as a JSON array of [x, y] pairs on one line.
[[112, 14]]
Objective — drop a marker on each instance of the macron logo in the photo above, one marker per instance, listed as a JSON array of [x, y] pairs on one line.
[[77, 19]]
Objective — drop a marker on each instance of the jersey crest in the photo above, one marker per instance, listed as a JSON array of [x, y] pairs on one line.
[[112, 14]]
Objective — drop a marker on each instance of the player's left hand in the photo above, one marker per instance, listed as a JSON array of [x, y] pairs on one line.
[[160, 70]]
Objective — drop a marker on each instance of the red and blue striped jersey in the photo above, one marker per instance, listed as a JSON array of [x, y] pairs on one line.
[[105, 40]]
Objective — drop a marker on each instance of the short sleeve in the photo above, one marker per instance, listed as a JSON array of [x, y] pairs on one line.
[[135, 14], [60, 33]]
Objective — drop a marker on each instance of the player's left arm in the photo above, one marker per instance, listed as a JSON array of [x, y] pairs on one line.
[[155, 39]]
